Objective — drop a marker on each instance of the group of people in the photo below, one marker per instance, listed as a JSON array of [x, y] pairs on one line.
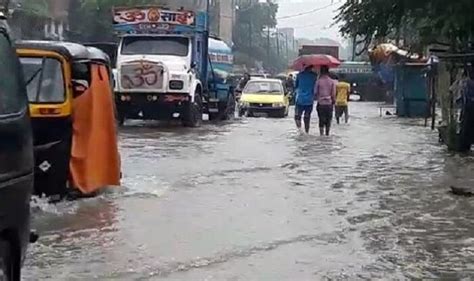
[[329, 92]]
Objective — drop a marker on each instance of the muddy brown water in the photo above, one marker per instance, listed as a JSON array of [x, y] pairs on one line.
[[254, 200]]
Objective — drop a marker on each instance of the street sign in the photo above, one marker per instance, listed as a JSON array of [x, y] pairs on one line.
[[151, 15]]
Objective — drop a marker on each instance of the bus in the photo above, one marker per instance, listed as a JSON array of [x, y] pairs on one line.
[[364, 81]]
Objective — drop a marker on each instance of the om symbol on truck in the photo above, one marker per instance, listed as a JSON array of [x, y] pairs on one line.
[[131, 16], [145, 74]]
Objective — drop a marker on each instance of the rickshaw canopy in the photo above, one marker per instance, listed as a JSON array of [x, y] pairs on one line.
[[70, 51], [97, 55]]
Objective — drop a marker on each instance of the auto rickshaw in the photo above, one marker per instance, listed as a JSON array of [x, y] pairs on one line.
[[16, 164], [72, 117], [110, 48]]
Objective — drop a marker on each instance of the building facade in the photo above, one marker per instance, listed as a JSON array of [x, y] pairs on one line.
[[56, 25], [222, 19], [39, 20]]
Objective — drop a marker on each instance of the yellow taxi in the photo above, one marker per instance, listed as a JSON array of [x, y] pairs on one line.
[[264, 96]]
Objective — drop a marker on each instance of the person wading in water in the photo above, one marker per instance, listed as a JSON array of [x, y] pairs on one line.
[[304, 86], [343, 90], [325, 92]]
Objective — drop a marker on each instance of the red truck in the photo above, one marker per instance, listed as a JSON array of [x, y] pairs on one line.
[[319, 49]]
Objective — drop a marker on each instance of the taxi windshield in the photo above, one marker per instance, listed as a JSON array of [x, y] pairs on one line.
[[44, 80], [263, 87]]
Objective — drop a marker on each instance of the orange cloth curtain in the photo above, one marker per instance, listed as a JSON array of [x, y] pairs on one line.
[[95, 160]]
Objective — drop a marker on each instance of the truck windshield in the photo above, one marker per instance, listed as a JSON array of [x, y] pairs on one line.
[[165, 46], [44, 80]]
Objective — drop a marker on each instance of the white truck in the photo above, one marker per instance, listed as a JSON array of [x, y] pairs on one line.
[[161, 63]]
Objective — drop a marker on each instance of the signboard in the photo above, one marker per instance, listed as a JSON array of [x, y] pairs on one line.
[[150, 16], [363, 70], [221, 58]]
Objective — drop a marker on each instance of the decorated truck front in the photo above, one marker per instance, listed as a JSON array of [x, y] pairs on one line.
[[162, 64]]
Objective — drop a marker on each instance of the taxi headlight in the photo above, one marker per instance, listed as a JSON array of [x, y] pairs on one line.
[[278, 104], [244, 104]]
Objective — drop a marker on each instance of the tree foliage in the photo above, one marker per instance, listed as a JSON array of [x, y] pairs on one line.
[[427, 21], [251, 38]]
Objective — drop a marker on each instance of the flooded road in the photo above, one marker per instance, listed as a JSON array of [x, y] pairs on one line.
[[254, 200]]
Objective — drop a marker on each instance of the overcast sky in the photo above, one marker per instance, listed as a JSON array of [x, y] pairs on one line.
[[311, 25]]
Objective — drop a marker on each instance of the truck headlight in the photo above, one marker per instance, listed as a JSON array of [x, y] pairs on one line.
[[176, 85]]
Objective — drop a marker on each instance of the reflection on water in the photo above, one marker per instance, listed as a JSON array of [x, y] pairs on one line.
[[255, 200]]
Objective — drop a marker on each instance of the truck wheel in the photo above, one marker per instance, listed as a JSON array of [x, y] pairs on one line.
[[213, 116], [241, 112], [192, 115], [230, 108], [11, 261]]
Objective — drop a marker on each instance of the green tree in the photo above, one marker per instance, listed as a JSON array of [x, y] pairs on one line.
[[250, 36], [425, 21]]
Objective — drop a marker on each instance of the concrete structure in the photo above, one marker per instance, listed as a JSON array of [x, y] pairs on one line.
[[226, 20], [27, 25], [223, 19], [287, 35], [56, 25]]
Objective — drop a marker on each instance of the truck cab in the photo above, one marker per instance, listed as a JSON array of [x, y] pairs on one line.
[[156, 64], [161, 63]]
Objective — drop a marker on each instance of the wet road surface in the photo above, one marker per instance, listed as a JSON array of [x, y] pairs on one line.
[[254, 200]]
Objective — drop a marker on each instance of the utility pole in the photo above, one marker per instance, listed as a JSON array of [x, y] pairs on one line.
[[268, 44], [250, 33], [354, 47], [278, 43], [287, 49]]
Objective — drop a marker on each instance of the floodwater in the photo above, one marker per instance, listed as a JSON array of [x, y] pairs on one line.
[[254, 200]]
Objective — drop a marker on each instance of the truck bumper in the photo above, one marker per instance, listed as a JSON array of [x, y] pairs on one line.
[[148, 106]]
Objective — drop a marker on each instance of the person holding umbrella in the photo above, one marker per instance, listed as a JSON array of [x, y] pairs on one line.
[[304, 103], [325, 92]]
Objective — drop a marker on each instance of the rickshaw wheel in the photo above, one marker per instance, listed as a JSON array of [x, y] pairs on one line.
[[11, 262], [230, 108]]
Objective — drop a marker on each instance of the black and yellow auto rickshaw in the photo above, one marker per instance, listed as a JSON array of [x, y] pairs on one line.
[[16, 161], [69, 117]]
